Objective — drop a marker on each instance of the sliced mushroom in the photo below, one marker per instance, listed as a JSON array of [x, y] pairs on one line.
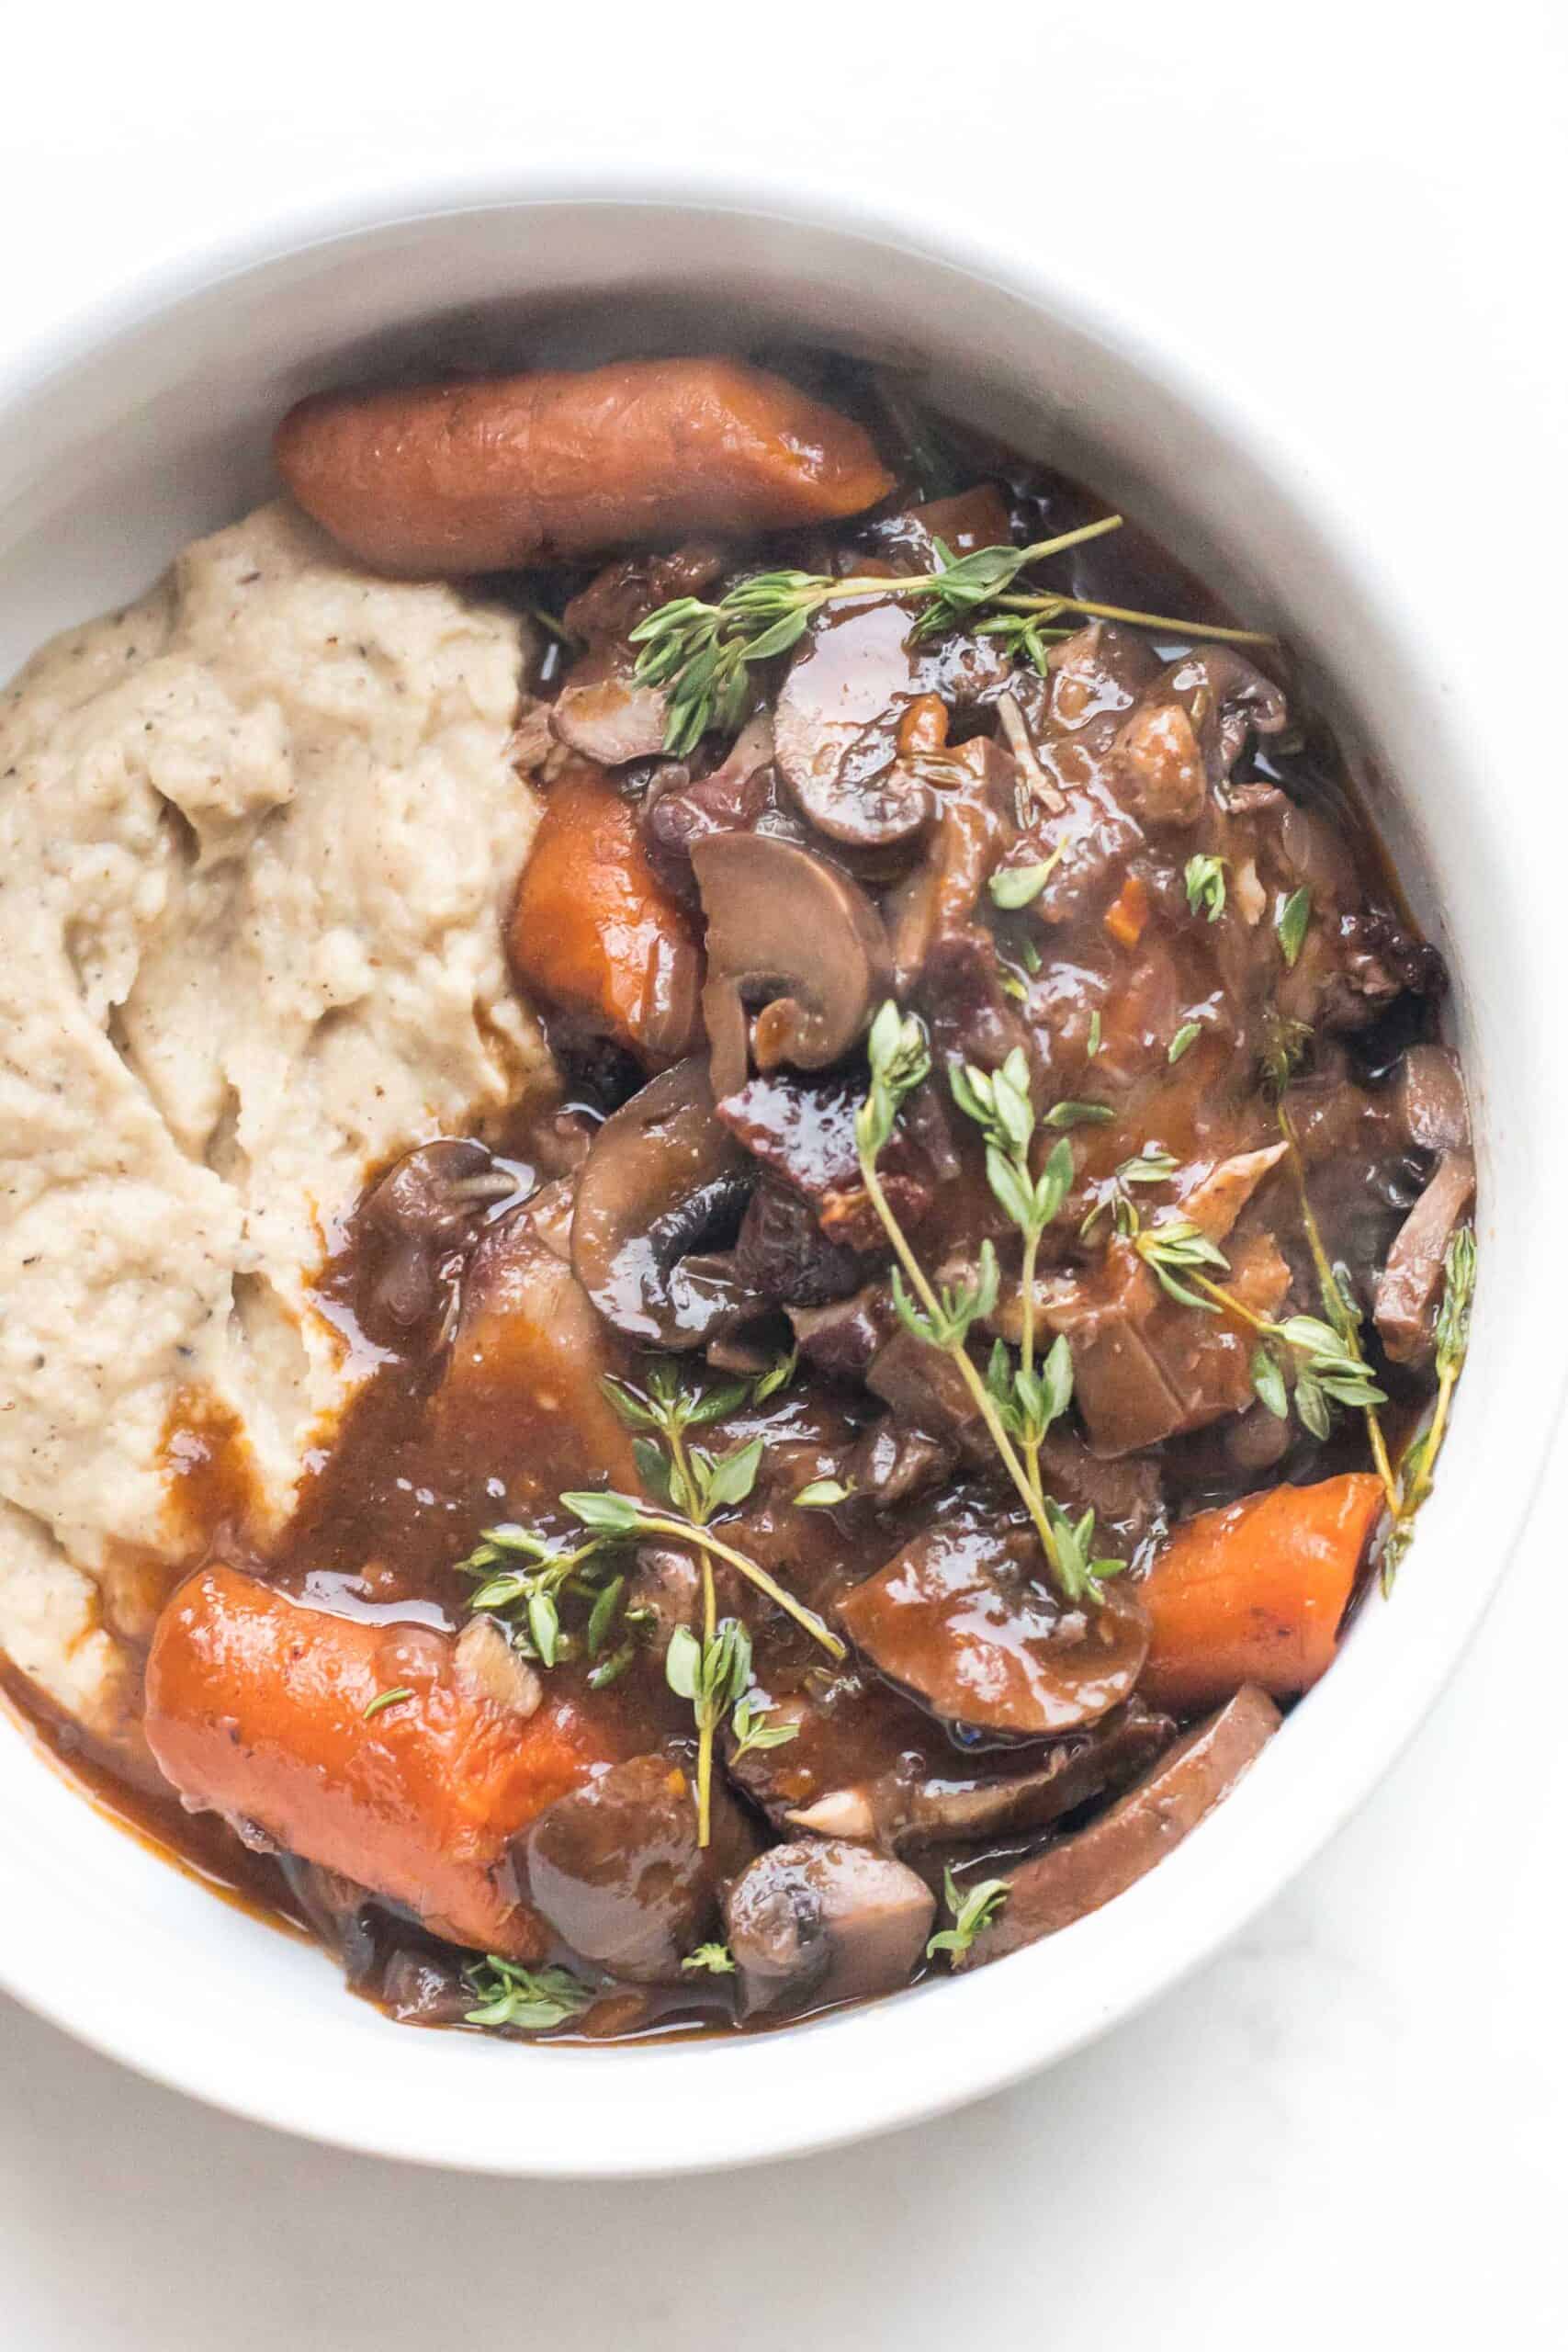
[[961, 1618], [616, 1868], [603, 713], [822, 1921], [1410, 1287], [902, 1811], [836, 721], [427, 1204], [787, 930], [1082, 1873], [844, 695], [661, 1174], [729, 799], [1431, 1099], [1223, 688]]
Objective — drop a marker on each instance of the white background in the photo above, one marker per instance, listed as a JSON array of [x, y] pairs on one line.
[[1353, 2126]]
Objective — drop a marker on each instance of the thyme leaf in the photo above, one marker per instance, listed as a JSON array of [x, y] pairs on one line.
[[971, 1908], [1205, 879], [529, 2000], [753, 1732], [383, 1699], [1290, 924], [716, 1959]]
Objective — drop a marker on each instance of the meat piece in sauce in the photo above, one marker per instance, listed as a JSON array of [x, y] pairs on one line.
[[617, 1870]]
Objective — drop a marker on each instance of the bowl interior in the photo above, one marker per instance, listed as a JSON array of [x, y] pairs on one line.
[[156, 429]]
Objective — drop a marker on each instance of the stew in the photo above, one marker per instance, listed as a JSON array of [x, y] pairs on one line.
[[854, 1470]]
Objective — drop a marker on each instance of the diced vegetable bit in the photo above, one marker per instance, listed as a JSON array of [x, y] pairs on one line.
[[1125, 920], [1256, 1591]]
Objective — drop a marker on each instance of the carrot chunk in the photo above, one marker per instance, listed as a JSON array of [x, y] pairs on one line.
[[282, 1715], [486, 475], [594, 930], [1254, 1592], [1126, 917]]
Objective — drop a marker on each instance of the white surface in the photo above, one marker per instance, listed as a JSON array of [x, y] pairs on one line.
[[1356, 2118]]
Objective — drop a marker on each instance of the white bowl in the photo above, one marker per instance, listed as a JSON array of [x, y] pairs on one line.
[[153, 426]]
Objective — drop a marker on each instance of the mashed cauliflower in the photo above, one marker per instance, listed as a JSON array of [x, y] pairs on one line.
[[257, 835]]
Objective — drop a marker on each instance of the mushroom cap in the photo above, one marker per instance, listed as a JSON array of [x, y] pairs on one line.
[[823, 1920], [786, 926], [660, 1173], [836, 720], [959, 1618]]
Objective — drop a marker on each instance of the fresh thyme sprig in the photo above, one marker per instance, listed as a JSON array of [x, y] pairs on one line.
[[1151, 1166], [752, 1730], [1337, 1305], [1420, 1455], [700, 654], [1327, 1364], [971, 1908], [713, 1674], [524, 1578], [1000, 1103], [532, 2000], [1285, 1048], [900, 1061]]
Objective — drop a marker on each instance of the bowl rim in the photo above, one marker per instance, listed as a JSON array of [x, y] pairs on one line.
[[994, 2038]]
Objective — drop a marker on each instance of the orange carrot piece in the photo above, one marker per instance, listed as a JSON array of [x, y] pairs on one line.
[[1254, 1592], [596, 931], [1125, 918], [260, 1708]]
